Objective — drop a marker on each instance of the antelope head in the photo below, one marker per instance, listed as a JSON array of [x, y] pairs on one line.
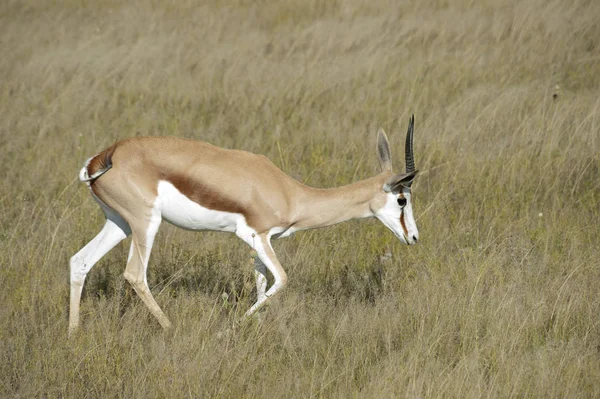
[[393, 204]]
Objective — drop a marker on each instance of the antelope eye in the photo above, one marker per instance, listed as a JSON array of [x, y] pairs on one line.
[[402, 202]]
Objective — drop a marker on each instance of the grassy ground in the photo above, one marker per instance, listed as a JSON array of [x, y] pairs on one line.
[[498, 299]]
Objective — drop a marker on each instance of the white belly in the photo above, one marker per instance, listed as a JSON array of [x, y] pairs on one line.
[[179, 210]]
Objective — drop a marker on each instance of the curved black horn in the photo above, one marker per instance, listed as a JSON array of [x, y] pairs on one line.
[[408, 149]]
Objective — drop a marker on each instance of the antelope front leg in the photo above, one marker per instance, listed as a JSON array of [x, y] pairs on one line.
[[266, 259], [260, 273]]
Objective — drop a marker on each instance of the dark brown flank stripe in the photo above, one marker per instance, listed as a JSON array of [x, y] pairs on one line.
[[204, 195], [207, 197]]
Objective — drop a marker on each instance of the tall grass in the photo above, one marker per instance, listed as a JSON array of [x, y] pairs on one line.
[[500, 296]]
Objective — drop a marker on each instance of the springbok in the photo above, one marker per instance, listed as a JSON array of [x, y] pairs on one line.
[[140, 181]]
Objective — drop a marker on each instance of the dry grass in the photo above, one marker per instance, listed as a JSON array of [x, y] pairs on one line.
[[500, 297]]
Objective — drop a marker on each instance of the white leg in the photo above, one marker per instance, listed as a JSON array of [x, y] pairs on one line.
[[267, 257], [137, 264], [86, 258], [260, 272]]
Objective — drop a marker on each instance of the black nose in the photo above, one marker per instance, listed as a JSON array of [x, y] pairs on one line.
[[415, 238]]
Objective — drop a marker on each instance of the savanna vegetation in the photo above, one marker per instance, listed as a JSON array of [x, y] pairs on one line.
[[500, 298]]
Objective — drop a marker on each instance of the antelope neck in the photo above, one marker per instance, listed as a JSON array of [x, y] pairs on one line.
[[324, 207]]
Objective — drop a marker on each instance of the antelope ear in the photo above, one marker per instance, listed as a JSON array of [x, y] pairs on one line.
[[396, 183], [383, 151]]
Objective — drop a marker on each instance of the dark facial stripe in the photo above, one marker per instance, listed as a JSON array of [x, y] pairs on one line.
[[402, 217], [403, 224]]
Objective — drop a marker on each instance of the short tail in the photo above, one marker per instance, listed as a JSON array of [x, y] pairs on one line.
[[97, 165]]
